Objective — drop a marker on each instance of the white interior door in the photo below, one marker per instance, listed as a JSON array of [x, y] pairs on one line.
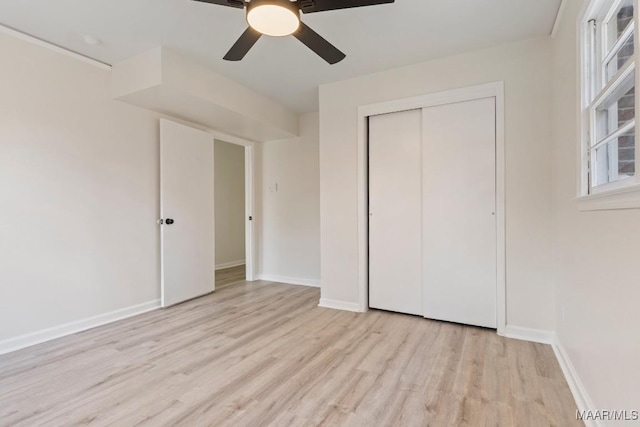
[[395, 212], [187, 210], [459, 222]]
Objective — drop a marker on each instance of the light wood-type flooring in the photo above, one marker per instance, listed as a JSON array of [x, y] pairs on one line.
[[261, 353], [229, 276]]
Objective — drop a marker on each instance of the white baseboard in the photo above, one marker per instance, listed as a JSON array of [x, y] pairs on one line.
[[230, 264], [22, 341], [580, 395], [289, 280], [339, 305], [528, 334]]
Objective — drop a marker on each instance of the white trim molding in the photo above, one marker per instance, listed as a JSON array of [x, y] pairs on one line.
[[339, 305], [528, 334], [623, 193], [27, 340], [621, 198], [580, 395], [489, 90], [230, 264], [250, 231], [579, 392], [54, 47], [315, 283]]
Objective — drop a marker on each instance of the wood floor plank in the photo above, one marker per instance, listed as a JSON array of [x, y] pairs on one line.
[[263, 353], [230, 276]]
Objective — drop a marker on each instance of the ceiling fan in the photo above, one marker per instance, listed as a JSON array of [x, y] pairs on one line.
[[282, 18]]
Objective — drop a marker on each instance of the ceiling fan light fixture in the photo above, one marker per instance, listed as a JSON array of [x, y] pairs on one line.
[[273, 17]]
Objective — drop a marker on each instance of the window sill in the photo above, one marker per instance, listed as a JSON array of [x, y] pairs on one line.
[[622, 198]]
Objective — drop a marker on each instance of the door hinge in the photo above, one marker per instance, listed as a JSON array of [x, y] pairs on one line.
[[250, 218]]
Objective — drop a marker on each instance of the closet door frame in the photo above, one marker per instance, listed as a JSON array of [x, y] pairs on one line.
[[496, 90]]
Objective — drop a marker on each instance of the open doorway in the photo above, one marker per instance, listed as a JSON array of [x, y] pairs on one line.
[[206, 202], [230, 206]]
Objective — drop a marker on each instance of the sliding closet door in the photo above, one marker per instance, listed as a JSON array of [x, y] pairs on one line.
[[459, 223], [395, 212]]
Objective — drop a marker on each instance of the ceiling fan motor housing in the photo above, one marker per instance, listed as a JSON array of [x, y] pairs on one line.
[[291, 5], [279, 18], [273, 17]]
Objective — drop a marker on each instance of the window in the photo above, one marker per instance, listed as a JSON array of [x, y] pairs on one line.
[[608, 97]]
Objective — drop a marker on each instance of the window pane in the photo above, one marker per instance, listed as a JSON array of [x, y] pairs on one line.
[[620, 58], [614, 160], [617, 109], [627, 154], [618, 22], [601, 166]]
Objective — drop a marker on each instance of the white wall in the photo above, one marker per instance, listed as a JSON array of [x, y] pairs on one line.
[[229, 195], [79, 197], [78, 193], [289, 243], [525, 69], [165, 81], [597, 268]]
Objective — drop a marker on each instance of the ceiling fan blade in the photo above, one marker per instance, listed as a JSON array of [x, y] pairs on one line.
[[231, 3], [311, 6], [242, 45], [318, 44]]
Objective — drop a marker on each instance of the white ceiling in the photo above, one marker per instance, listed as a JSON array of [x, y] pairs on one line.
[[374, 38]]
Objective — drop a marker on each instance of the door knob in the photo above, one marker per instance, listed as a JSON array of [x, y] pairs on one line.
[[169, 221]]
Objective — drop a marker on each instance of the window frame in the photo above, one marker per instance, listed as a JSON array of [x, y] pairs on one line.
[[594, 90]]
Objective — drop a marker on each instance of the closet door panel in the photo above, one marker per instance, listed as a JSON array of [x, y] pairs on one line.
[[395, 212], [459, 222]]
